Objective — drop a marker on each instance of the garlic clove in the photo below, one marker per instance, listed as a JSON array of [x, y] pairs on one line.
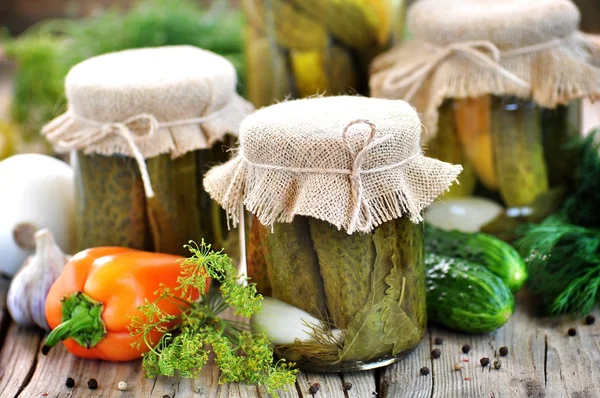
[[284, 323], [28, 290]]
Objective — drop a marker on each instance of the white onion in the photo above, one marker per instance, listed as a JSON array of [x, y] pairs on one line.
[[465, 214], [284, 323], [37, 192]]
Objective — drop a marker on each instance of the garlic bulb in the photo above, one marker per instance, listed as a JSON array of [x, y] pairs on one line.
[[284, 323], [29, 288], [37, 192]]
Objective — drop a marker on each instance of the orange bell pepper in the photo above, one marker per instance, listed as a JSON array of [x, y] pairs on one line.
[[90, 304]]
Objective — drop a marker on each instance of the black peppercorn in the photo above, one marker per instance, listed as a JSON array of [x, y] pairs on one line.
[[503, 351], [572, 332], [485, 361], [314, 388], [70, 382], [590, 319], [92, 384], [438, 341], [436, 353], [347, 386], [424, 370], [166, 396], [466, 348]]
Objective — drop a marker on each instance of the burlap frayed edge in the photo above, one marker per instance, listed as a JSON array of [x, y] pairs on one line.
[[557, 76], [173, 140], [236, 183]]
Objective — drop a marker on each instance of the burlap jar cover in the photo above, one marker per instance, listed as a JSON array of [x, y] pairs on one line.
[[468, 48], [351, 161], [147, 104]]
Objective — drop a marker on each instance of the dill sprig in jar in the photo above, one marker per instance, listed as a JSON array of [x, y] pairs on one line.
[[144, 125], [336, 186]]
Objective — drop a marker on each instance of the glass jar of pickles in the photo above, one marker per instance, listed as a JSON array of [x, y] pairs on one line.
[[143, 126], [300, 48], [336, 240], [495, 97]]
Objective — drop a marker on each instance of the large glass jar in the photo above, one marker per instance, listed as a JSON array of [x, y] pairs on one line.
[[300, 48], [113, 210], [367, 290], [512, 151]]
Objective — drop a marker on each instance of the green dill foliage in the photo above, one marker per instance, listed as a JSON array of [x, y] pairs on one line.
[[563, 262], [47, 51], [582, 205], [38, 85], [190, 337]]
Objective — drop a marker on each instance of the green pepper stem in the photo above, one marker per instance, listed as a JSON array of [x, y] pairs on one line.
[[81, 321]]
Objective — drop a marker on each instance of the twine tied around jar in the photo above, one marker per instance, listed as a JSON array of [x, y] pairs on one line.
[[67, 140], [412, 75], [355, 173]]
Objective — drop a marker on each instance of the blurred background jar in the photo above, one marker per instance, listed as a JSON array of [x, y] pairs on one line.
[[301, 48]]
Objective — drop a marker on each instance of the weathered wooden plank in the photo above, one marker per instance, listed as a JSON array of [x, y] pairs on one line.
[[18, 358], [403, 379], [363, 384], [521, 374], [573, 362], [331, 385]]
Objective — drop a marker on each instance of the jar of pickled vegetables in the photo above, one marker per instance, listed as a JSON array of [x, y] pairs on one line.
[[143, 125], [300, 48], [336, 186], [499, 85]]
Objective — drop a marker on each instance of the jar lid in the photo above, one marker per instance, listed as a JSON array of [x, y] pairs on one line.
[[469, 48], [352, 161], [171, 99], [506, 23]]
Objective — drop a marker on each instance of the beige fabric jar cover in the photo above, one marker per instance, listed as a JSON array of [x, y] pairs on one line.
[[352, 161], [468, 48], [147, 102]]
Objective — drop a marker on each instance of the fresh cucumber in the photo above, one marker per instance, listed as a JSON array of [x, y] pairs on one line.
[[465, 296], [496, 255]]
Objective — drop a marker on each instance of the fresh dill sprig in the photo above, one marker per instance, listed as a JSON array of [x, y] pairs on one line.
[[189, 338], [563, 262]]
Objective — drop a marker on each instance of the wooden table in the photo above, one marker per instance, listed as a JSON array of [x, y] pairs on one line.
[[543, 362]]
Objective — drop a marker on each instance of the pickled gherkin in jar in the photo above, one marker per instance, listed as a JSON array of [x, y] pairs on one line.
[[299, 48], [366, 287], [517, 151]]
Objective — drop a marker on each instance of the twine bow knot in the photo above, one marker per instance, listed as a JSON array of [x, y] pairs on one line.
[[96, 131], [412, 76], [355, 173]]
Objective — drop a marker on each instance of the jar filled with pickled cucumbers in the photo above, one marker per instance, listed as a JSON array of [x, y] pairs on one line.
[[499, 85], [143, 126], [300, 48], [336, 187]]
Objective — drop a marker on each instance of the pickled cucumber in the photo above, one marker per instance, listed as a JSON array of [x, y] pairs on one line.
[[267, 69], [355, 23], [561, 126], [256, 260], [310, 72], [293, 267], [445, 146], [472, 118], [341, 68], [346, 262], [175, 201], [518, 151]]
